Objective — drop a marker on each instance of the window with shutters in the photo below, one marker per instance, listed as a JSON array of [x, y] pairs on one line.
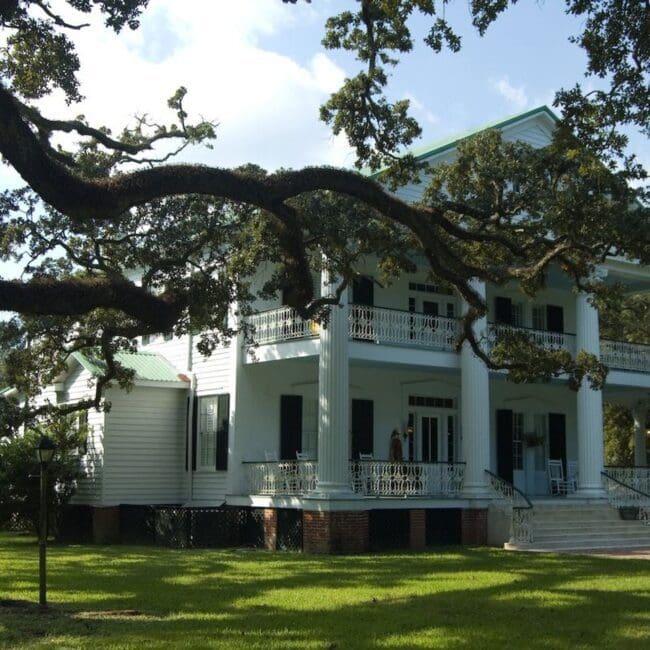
[[212, 432], [517, 314]]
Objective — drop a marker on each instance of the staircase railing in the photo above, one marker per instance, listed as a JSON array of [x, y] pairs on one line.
[[623, 495], [521, 526], [637, 477]]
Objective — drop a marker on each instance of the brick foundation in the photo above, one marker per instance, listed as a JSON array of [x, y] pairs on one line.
[[335, 532], [106, 525], [270, 529], [474, 526], [417, 530]]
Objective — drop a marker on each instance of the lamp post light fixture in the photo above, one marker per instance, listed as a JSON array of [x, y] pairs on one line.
[[44, 453]]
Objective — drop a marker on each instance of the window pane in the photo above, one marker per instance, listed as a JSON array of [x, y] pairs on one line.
[[207, 437]]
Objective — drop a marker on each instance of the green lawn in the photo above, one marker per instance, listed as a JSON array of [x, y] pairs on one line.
[[141, 597]]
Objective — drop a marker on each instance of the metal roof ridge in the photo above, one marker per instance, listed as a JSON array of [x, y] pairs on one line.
[[425, 151]]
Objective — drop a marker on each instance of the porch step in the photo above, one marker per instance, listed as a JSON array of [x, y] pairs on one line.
[[570, 526]]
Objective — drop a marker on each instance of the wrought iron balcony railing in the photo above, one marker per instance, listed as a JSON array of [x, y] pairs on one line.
[[410, 329], [375, 478]]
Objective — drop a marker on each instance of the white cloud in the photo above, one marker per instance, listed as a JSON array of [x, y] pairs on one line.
[[516, 96], [420, 108], [266, 103]]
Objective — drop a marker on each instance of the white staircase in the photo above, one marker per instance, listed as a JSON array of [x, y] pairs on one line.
[[564, 524]]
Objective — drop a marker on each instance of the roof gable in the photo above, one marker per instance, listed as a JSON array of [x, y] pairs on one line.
[[512, 124]]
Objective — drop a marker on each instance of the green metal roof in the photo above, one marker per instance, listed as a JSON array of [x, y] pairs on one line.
[[426, 151], [148, 366]]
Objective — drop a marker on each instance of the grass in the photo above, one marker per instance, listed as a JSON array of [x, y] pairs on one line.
[[142, 597]]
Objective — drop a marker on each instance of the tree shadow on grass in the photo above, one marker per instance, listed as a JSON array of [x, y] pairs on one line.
[[459, 597]]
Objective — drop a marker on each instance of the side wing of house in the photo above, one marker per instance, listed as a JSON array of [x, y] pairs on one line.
[[145, 446]]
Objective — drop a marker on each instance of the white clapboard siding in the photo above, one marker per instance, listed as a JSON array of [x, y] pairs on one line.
[[214, 373], [534, 134], [209, 488], [175, 350], [79, 385], [144, 459]]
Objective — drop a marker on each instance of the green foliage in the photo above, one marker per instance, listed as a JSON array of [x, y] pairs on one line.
[[614, 37], [87, 223], [624, 317], [19, 473], [619, 435]]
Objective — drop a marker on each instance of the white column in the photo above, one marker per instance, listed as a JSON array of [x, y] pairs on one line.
[[475, 412], [239, 387], [333, 401], [589, 405], [639, 414]]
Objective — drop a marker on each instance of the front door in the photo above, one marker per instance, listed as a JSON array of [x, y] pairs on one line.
[[430, 438], [290, 426]]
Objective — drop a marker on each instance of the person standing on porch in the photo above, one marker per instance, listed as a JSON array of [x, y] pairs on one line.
[[395, 449]]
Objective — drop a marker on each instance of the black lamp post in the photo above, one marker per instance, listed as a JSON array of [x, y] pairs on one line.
[[44, 453]]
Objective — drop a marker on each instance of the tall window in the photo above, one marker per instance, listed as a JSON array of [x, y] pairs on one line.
[[212, 432], [539, 317], [517, 314], [540, 421]]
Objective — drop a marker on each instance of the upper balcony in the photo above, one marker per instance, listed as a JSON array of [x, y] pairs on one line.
[[392, 329]]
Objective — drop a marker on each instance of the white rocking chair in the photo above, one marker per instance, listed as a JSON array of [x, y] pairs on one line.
[[572, 476], [557, 483]]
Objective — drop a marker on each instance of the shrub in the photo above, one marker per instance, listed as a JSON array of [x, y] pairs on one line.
[[20, 472]]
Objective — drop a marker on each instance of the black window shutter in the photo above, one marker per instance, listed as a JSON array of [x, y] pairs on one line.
[[504, 444], [187, 432], [195, 424], [290, 426], [223, 419], [503, 310], [554, 318]]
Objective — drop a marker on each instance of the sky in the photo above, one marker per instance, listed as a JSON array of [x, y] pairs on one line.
[[257, 67]]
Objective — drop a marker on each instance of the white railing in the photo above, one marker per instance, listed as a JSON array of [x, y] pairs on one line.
[[367, 478], [387, 479], [290, 477], [522, 513], [277, 325], [541, 338], [625, 356], [398, 327], [637, 478], [623, 495]]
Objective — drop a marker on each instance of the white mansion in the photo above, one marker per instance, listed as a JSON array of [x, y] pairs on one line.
[[302, 420]]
